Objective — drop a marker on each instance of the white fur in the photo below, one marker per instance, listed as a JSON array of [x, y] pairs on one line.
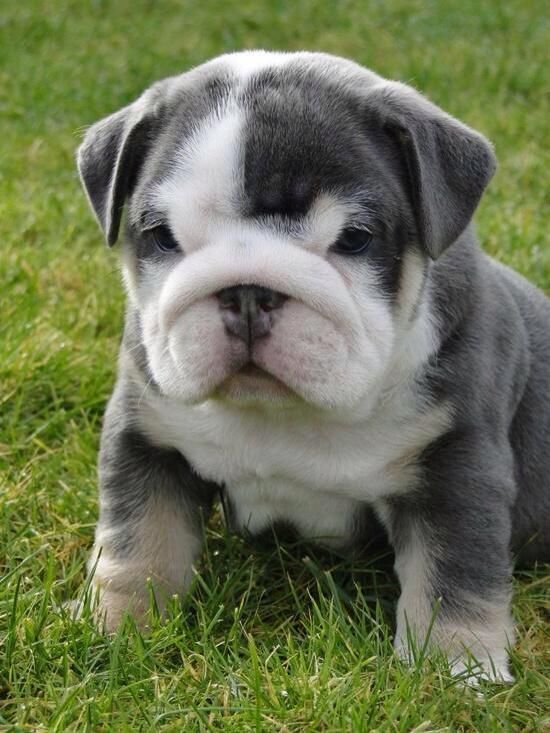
[[313, 473], [247, 63], [414, 568], [199, 197]]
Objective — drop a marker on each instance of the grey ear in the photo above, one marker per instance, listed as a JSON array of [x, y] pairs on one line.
[[448, 164], [108, 161]]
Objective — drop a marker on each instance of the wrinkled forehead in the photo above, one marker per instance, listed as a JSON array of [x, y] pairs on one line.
[[262, 134]]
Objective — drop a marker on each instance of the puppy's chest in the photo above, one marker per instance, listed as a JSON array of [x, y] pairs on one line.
[[275, 475], [314, 476]]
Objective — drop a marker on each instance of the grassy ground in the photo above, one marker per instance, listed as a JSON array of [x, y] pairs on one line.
[[270, 641]]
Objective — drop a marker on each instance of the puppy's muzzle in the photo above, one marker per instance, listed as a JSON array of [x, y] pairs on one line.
[[247, 311]]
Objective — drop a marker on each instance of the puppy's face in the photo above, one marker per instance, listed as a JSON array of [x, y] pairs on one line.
[[277, 189], [274, 249]]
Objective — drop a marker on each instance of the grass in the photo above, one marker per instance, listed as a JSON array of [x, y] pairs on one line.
[[282, 640]]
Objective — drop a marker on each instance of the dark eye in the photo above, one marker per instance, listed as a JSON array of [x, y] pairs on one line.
[[163, 238], [352, 241]]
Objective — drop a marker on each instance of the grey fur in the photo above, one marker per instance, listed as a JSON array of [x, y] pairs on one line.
[[483, 492], [132, 471], [108, 161]]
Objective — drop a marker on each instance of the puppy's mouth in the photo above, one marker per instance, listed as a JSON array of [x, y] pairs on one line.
[[252, 384]]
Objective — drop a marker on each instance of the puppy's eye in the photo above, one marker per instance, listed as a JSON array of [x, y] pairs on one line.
[[163, 239], [352, 241]]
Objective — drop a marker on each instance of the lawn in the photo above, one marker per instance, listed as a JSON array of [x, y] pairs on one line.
[[268, 640]]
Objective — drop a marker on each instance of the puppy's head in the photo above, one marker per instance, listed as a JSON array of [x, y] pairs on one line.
[[281, 211]]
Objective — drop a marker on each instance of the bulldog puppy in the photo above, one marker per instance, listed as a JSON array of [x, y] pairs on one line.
[[312, 330]]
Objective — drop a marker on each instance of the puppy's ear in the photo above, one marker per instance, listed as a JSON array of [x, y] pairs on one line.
[[109, 160], [448, 164]]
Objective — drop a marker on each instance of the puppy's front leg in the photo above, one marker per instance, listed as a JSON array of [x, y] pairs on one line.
[[152, 508], [453, 560]]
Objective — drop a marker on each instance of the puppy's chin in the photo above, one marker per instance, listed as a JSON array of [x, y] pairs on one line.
[[252, 386]]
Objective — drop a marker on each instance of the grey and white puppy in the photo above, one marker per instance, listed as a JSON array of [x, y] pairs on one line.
[[313, 330]]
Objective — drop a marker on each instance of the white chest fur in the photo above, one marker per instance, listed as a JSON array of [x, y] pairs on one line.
[[310, 471]]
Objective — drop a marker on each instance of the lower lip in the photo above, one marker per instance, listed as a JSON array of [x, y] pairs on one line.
[[254, 384]]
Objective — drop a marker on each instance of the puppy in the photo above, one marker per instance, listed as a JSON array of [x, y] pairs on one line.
[[312, 330]]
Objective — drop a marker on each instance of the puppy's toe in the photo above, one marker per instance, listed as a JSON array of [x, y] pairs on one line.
[[108, 609], [475, 672], [403, 650], [73, 609], [113, 606]]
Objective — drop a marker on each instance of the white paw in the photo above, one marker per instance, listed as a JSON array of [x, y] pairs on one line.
[[473, 670], [108, 608]]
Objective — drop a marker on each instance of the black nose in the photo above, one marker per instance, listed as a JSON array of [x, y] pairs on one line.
[[246, 310]]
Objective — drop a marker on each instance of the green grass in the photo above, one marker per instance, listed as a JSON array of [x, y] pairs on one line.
[[279, 640]]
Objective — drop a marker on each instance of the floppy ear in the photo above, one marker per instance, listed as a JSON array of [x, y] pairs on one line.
[[448, 164], [109, 160]]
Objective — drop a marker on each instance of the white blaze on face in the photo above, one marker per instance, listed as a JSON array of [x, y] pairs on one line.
[[247, 63], [332, 338]]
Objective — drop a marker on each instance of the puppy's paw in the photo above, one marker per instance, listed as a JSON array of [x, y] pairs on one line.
[[73, 609], [114, 605], [107, 609], [489, 669], [473, 670]]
